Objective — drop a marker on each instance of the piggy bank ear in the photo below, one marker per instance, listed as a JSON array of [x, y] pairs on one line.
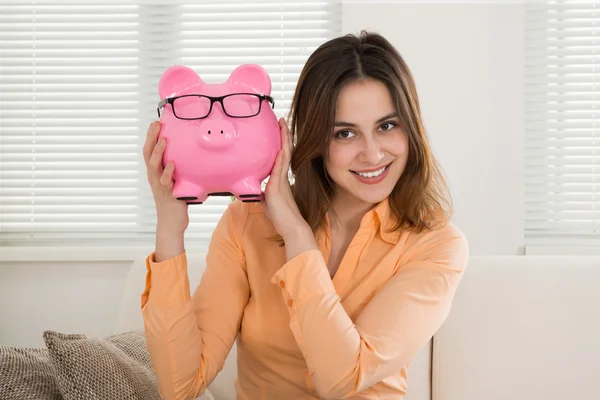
[[253, 76], [176, 79]]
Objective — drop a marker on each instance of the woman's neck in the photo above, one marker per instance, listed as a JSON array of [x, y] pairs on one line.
[[350, 213]]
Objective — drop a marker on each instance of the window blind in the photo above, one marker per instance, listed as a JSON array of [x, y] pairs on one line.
[[562, 111], [79, 87]]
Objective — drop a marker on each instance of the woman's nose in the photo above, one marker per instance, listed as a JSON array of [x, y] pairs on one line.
[[372, 153]]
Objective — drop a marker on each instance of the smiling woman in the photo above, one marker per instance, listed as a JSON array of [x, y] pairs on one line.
[[368, 88], [370, 261]]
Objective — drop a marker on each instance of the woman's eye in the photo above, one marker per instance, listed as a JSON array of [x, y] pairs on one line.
[[392, 124], [344, 134]]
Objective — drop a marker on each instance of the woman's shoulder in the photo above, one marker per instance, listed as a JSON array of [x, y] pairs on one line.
[[442, 237], [442, 230], [447, 230]]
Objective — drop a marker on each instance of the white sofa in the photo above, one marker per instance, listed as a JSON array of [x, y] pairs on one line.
[[521, 328]]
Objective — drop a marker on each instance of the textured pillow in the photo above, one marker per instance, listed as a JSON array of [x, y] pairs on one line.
[[116, 367], [27, 374]]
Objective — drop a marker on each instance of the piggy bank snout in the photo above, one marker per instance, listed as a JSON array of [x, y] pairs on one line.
[[216, 134]]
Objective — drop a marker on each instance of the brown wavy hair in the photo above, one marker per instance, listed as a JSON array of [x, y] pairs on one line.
[[420, 199]]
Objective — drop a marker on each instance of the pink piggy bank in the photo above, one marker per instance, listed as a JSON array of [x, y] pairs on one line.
[[223, 138]]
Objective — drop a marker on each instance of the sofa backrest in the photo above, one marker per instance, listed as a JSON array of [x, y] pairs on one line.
[[521, 327]]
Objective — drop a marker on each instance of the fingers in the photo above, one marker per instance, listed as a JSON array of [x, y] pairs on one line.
[[286, 143], [153, 151], [166, 178], [286, 151], [290, 139], [155, 161], [274, 177], [151, 136]]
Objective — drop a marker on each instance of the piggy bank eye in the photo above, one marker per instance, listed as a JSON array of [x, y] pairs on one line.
[[241, 105]]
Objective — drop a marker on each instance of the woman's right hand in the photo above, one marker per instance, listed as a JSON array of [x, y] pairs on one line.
[[172, 214]]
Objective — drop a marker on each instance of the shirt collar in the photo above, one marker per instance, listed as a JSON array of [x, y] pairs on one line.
[[385, 221], [379, 217]]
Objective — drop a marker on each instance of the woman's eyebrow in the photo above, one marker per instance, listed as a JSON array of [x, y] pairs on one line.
[[342, 123]]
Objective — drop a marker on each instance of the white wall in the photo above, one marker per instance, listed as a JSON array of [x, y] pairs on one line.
[[68, 297], [467, 63]]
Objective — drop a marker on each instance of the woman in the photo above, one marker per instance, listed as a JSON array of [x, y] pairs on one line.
[[333, 284]]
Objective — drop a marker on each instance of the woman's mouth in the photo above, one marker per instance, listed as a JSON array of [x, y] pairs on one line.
[[372, 177]]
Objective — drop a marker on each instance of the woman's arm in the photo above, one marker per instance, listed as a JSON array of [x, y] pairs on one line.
[[189, 337], [345, 358]]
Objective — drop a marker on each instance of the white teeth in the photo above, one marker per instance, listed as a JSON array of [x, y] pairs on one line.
[[371, 174]]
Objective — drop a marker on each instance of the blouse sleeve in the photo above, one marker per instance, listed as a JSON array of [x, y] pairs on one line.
[[189, 336]]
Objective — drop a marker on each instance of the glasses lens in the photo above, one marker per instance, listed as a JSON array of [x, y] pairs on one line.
[[191, 106], [241, 105]]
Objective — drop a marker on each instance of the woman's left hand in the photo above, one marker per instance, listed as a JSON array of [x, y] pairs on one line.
[[279, 202]]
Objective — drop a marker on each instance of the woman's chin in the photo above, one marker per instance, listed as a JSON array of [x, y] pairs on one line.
[[370, 195]]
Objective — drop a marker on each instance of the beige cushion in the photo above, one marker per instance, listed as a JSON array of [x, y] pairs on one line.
[[27, 374], [115, 367]]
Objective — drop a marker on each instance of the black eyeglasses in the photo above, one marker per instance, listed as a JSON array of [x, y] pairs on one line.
[[198, 106]]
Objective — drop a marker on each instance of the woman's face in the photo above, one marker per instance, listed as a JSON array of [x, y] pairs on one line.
[[368, 151]]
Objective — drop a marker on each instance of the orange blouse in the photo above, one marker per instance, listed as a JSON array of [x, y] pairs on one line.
[[300, 334]]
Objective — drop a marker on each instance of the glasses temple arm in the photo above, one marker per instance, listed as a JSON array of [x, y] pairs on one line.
[[161, 104]]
